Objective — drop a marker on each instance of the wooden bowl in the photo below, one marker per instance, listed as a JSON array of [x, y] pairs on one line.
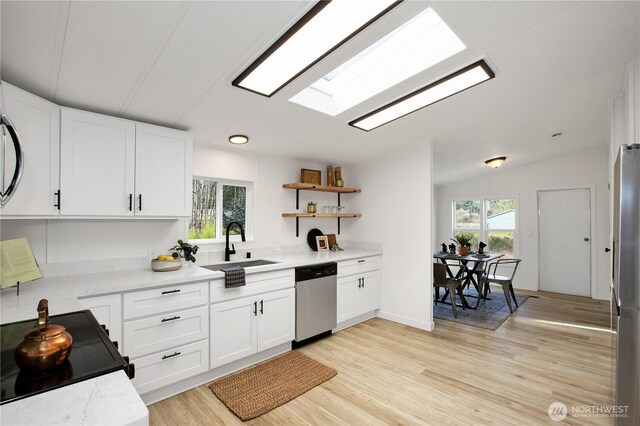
[[166, 265]]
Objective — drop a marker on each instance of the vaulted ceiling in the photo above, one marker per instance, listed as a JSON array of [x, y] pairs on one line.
[[557, 66]]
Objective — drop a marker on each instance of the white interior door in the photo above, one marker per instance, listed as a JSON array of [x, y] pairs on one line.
[[565, 241]]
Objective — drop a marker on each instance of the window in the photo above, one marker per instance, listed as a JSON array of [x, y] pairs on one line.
[[217, 203], [491, 220], [422, 42]]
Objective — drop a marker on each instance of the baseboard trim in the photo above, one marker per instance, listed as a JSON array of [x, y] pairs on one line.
[[423, 325], [355, 320]]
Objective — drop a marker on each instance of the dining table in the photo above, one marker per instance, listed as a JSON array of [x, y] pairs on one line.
[[471, 268]]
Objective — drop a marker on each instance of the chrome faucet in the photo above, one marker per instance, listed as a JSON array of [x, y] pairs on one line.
[[228, 252]]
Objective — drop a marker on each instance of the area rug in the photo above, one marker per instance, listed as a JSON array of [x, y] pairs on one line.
[[257, 390], [489, 315]]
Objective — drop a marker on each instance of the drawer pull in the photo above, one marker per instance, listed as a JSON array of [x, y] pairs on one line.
[[170, 319], [171, 291], [171, 356], [362, 261]]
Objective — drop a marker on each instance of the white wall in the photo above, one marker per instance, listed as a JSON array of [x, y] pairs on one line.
[[396, 211], [585, 168]]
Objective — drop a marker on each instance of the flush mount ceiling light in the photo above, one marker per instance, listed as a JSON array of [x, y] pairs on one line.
[[415, 46], [327, 26], [496, 162], [238, 139], [460, 80]]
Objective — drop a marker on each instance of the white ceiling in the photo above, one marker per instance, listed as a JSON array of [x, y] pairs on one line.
[[557, 66]]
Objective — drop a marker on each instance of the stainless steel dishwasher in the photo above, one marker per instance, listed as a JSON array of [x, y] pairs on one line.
[[316, 300]]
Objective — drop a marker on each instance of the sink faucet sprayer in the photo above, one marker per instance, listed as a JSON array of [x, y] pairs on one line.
[[227, 251]]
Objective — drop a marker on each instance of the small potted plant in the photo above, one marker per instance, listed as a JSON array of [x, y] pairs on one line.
[[464, 241], [184, 250], [311, 207]]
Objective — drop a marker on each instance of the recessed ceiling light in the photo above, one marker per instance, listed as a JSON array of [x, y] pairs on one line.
[[238, 139], [460, 80], [415, 46], [319, 32], [496, 162]]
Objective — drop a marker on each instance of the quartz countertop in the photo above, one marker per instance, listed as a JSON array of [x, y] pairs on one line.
[[108, 399], [63, 292]]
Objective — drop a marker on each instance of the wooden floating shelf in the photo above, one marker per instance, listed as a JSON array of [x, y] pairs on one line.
[[322, 215], [321, 188]]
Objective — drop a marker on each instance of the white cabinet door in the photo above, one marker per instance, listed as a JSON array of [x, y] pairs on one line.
[[348, 295], [369, 297], [97, 160], [108, 311], [163, 171], [276, 318], [37, 122], [233, 330]]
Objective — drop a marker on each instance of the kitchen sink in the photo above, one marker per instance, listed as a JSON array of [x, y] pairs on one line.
[[245, 264]]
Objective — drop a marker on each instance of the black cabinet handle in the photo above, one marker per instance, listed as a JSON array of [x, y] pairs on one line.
[[57, 204], [255, 308], [130, 202], [359, 282], [261, 307], [362, 282], [140, 202], [361, 261], [607, 250], [170, 319], [171, 356], [171, 291]]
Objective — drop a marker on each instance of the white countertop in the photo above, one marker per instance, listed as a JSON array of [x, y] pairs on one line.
[[63, 292], [111, 398]]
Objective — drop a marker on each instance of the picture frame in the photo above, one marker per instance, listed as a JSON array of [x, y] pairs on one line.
[[310, 176], [323, 243]]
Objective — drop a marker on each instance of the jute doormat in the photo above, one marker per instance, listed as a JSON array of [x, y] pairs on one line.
[[260, 389]]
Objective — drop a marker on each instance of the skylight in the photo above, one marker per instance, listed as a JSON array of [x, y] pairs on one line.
[[415, 46], [323, 29]]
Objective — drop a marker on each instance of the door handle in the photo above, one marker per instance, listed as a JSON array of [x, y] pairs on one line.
[[362, 282], [171, 356], [262, 307], [57, 195], [5, 196], [130, 202], [170, 319], [359, 282], [255, 309], [607, 250], [140, 202], [586, 238]]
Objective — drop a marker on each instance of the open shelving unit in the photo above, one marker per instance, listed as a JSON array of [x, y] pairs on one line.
[[319, 188]]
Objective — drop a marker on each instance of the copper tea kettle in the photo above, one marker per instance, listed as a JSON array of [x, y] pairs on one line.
[[44, 347]]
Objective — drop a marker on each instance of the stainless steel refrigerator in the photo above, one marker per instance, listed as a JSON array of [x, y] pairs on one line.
[[626, 281]]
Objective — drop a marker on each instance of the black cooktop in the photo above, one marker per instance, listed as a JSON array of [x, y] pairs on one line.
[[92, 355]]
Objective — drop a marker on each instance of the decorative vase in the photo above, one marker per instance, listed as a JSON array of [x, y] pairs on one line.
[[463, 250]]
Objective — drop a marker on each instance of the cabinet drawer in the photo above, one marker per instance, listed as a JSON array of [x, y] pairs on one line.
[[158, 300], [358, 266], [164, 331], [170, 366], [256, 284]]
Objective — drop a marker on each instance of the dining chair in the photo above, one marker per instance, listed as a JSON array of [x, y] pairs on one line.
[[505, 281], [452, 285]]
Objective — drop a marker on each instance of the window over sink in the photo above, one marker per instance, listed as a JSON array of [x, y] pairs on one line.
[[215, 204]]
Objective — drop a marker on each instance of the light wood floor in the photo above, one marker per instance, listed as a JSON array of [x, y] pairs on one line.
[[554, 348]]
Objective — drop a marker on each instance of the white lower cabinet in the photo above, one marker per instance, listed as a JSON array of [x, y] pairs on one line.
[[170, 366], [108, 311], [166, 333], [242, 327], [159, 332], [358, 287]]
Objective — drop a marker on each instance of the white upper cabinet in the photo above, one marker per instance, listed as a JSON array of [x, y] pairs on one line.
[[97, 164], [37, 122], [163, 171], [116, 167]]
